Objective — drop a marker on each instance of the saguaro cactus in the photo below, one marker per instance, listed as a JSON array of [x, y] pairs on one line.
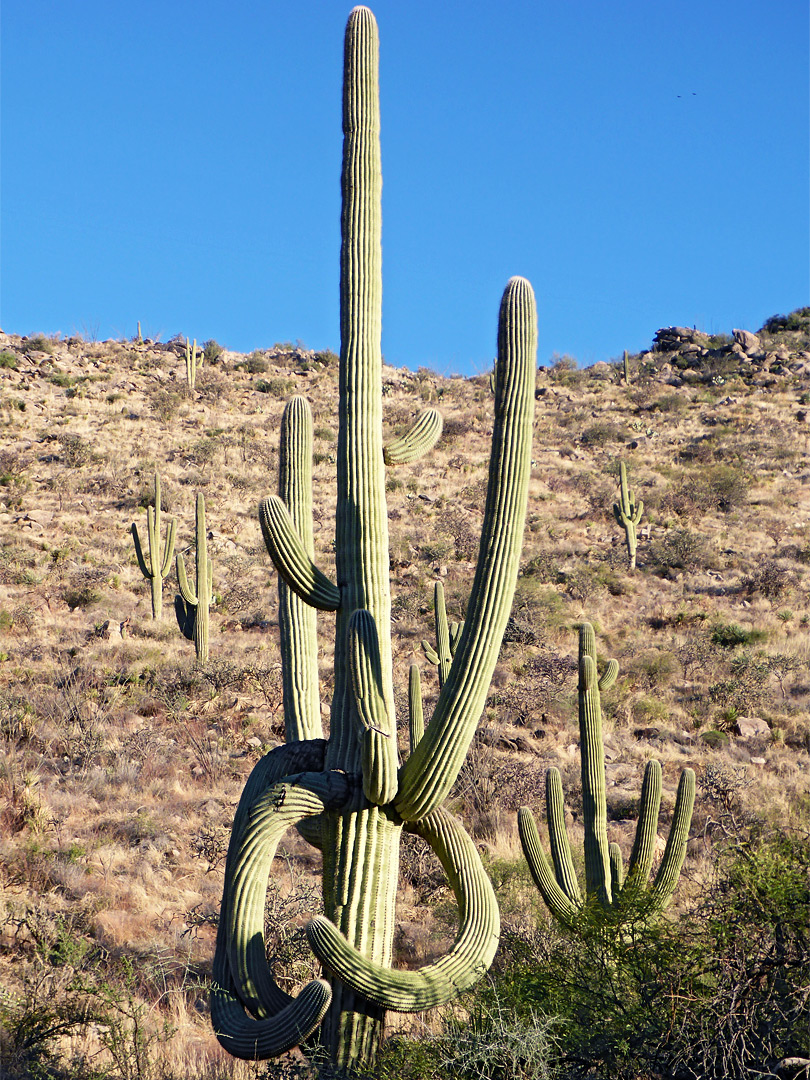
[[628, 514], [191, 607], [350, 792], [606, 885], [155, 569], [194, 360]]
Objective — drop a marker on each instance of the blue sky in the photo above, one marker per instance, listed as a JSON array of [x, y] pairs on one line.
[[643, 164]]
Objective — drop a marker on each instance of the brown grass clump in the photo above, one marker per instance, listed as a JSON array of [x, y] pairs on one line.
[[121, 761]]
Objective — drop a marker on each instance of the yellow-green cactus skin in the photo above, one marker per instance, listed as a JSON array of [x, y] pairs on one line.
[[607, 887], [349, 794]]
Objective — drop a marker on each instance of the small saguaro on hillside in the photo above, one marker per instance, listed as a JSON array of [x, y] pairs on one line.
[[608, 890]]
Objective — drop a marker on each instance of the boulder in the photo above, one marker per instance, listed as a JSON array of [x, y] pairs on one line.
[[750, 342], [751, 727]]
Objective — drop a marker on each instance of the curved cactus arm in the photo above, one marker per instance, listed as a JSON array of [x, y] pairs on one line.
[[422, 437], [379, 759], [430, 653], [560, 906], [186, 591], [455, 636], [269, 816], [429, 773], [291, 560], [257, 1040], [470, 955], [416, 713], [609, 675], [558, 838], [297, 620], [675, 851], [641, 857], [296, 1018], [145, 570], [592, 752], [616, 870], [171, 533]]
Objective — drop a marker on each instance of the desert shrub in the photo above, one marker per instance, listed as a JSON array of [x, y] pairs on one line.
[[769, 579], [38, 343], [601, 433], [719, 992], [256, 364], [279, 387], [730, 635], [212, 351], [8, 359], [680, 549], [75, 450]]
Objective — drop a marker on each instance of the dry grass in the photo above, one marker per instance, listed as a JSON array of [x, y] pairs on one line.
[[121, 761]]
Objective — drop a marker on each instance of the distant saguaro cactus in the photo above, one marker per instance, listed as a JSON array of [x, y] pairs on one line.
[[191, 606], [194, 358], [606, 885], [155, 569], [628, 514], [350, 793]]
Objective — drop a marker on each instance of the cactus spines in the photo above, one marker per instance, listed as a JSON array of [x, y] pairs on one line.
[[191, 606], [297, 619], [415, 443], [194, 360], [154, 568], [628, 514], [352, 786], [607, 885]]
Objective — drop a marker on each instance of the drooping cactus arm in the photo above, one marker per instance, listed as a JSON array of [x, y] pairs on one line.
[[641, 857], [186, 591], [429, 773], [145, 570], [295, 1018], [256, 1040], [378, 729], [297, 620], [558, 838], [268, 818], [560, 906], [291, 560], [675, 851], [415, 443], [468, 958], [416, 714]]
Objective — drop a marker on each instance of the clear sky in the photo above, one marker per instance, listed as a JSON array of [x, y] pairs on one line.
[[643, 162]]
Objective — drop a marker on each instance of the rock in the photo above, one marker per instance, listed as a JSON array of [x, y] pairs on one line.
[[37, 517], [751, 727], [749, 342], [757, 760]]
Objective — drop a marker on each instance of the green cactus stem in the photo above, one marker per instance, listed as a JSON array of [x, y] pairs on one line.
[[154, 568], [607, 888], [422, 437], [191, 606], [626, 368], [297, 619], [351, 792], [194, 358], [628, 514], [447, 636]]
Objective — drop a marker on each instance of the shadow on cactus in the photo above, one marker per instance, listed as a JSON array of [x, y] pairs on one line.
[[608, 889], [348, 794]]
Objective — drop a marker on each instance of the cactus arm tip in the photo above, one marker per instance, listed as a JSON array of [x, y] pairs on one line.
[[470, 955], [560, 905], [421, 438], [290, 557]]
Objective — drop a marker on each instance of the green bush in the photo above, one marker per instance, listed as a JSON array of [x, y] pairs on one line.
[[719, 993], [8, 359]]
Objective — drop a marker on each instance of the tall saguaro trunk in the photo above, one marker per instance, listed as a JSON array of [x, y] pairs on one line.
[[349, 795]]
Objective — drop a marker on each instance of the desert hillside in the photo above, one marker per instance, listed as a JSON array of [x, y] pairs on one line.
[[122, 759]]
